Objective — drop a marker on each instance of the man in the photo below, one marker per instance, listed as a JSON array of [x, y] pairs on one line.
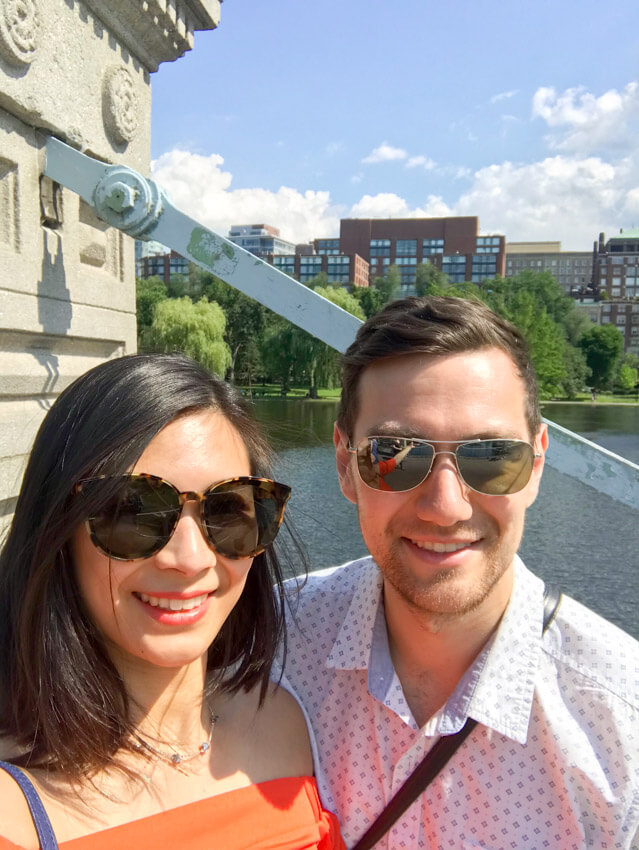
[[444, 622]]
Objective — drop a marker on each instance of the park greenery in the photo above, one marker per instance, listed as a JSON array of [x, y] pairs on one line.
[[238, 338]]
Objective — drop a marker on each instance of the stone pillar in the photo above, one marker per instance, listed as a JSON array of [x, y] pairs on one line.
[[79, 71]]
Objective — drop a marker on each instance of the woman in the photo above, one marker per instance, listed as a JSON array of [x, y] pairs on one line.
[[139, 625]]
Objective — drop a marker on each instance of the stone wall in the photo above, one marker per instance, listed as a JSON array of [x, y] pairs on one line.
[[79, 71]]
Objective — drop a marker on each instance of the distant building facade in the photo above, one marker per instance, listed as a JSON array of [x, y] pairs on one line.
[[616, 264], [616, 272], [453, 245], [339, 268], [260, 239], [624, 315], [573, 270], [155, 260]]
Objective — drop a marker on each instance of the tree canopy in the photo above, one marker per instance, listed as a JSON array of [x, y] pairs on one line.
[[603, 348], [217, 324], [196, 329]]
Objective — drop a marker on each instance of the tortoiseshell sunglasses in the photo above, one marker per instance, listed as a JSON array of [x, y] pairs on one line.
[[239, 517]]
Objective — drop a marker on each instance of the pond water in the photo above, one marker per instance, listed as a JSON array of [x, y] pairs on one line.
[[583, 540]]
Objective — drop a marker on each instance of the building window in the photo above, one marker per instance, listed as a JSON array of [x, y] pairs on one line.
[[380, 248], [406, 247], [432, 246]]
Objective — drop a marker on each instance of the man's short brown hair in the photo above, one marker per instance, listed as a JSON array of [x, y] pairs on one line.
[[437, 326]]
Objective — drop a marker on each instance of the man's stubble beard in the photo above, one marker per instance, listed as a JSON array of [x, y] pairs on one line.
[[446, 592]]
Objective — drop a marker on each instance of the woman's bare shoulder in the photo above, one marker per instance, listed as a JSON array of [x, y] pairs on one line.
[[16, 823], [276, 730]]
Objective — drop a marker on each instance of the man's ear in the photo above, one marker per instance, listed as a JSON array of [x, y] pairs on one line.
[[540, 444], [344, 465]]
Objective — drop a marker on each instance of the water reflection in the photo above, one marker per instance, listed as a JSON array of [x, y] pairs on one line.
[[574, 535]]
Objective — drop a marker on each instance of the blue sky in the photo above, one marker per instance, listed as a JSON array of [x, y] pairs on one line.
[[297, 113]]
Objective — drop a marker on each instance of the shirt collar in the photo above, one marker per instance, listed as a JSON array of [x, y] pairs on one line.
[[497, 690], [502, 694], [352, 647]]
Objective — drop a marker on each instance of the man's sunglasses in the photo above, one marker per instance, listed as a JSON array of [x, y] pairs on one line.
[[239, 517], [491, 467]]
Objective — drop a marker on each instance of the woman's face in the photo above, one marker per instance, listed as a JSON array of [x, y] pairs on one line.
[[167, 609]]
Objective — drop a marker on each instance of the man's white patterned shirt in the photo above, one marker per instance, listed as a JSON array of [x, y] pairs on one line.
[[553, 763]]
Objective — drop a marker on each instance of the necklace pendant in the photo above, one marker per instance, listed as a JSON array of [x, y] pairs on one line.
[[176, 758]]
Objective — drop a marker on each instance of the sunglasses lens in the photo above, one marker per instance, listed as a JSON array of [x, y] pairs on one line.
[[496, 467], [393, 463], [242, 517], [138, 520]]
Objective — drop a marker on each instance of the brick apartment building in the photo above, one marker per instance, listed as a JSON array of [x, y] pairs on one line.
[[452, 244], [616, 272]]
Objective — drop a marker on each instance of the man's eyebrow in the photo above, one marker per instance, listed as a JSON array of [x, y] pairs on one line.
[[393, 429], [387, 429]]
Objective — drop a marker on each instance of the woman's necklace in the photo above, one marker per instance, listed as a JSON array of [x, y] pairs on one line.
[[175, 757]]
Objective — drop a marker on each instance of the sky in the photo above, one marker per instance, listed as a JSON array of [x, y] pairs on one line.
[[296, 114]]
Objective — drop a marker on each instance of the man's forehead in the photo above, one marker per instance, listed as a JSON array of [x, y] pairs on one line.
[[477, 393]]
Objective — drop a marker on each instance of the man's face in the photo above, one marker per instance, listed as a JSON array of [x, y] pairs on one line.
[[455, 397]]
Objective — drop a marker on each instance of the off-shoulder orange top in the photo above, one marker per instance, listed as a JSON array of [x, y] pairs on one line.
[[281, 814]]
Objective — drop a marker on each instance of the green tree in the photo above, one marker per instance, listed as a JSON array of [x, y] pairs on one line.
[[320, 280], [292, 354], [626, 379], [390, 284], [279, 354], [178, 286], [576, 322], [603, 347], [577, 371], [149, 292], [371, 300], [544, 336], [246, 321], [196, 329], [429, 280]]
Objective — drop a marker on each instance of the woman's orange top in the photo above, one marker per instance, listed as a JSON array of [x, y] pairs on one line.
[[281, 814]]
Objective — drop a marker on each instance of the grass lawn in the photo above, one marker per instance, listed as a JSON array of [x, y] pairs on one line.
[[602, 398], [275, 391]]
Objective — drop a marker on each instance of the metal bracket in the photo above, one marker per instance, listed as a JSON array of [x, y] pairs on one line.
[[127, 200]]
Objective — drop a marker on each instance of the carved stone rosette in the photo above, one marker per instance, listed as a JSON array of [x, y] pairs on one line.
[[19, 30], [121, 105]]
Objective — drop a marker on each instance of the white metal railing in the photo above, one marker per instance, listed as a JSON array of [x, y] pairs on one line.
[[137, 206]]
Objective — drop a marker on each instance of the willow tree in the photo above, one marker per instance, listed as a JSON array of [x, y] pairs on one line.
[[195, 329]]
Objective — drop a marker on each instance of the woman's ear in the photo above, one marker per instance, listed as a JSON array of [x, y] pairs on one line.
[[344, 465]]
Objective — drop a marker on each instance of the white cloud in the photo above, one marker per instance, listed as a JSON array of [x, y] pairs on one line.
[[389, 205], [383, 205], [565, 198], [585, 123], [385, 153], [197, 185], [424, 161], [504, 95], [570, 196]]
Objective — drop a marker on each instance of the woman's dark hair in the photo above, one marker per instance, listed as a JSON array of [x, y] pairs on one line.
[[61, 698], [433, 325]]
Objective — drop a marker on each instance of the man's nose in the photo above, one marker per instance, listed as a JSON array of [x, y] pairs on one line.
[[443, 498]]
